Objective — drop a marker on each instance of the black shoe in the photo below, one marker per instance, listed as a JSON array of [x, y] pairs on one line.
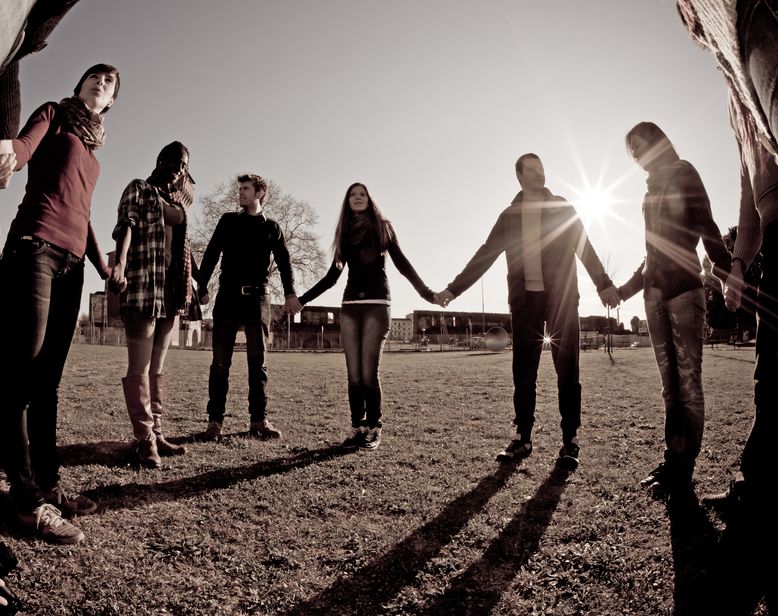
[[517, 449], [372, 438], [668, 481], [724, 503], [355, 438], [568, 456]]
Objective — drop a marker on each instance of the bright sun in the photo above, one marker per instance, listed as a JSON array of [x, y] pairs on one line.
[[593, 204]]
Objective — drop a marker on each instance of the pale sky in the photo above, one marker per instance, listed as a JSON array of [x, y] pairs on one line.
[[428, 102]]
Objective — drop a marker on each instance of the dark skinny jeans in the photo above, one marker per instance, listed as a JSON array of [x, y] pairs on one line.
[[561, 321], [42, 298], [363, 331]]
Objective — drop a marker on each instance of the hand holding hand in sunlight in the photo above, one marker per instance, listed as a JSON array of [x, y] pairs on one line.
[[443, 298], [733, 287], [117, 283], [610, 297]]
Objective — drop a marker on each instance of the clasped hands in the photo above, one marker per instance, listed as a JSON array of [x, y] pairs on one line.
[[610, 297]]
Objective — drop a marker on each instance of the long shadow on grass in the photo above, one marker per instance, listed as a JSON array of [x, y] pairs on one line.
[[479, 588], [367, 589], [105, 453], [131, 495], [694, 540]]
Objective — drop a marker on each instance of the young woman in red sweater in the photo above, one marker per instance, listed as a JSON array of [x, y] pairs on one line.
[[42, 272]]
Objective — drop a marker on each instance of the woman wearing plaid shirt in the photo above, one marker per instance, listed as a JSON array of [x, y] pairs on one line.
[[153, 272]]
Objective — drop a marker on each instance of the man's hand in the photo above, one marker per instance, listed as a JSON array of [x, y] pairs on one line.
[[292, 305], [443, 298], [7, 164], [733, 287], [117, 282], [610, 297]]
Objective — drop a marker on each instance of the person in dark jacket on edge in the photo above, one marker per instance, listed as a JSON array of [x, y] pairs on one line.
[[677, 214], [245, 241], [541, 235], [362, 238]]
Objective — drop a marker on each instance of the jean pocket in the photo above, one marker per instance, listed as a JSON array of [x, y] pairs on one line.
[[26, 248]]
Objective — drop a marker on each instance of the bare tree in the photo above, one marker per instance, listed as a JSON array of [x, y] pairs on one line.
[[296, 218]]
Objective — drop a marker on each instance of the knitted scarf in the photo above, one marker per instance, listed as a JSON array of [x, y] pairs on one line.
[[359, 225], [83, 123]]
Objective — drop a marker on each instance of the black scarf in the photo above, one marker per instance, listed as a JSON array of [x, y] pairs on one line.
[[359, 225], [83, 123]]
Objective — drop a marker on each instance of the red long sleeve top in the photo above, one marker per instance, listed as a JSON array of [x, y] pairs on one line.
[[62, 173]]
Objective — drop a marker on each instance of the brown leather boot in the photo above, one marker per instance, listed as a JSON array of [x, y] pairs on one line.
[[157, 389], [136, 394]]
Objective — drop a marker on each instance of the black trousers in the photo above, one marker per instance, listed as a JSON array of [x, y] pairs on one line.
[[231, 312], [561, 322]]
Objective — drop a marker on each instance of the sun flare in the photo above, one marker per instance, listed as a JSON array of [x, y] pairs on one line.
[[594, 203]]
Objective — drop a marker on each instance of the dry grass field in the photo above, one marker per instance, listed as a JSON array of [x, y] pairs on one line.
[[427, 524]]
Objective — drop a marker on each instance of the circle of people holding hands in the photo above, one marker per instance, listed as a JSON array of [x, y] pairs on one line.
[[539, 233]]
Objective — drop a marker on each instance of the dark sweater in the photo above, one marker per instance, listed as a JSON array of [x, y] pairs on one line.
[[62, 173], [677, 215], [367, 272], [245, 244], [564, 237]]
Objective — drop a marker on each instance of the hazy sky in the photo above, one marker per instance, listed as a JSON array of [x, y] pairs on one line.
[[428, 102]]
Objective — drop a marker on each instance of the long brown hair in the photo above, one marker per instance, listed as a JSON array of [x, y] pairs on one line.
[[381, 226]]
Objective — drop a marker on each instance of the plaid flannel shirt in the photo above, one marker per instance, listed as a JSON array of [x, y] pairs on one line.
[[141, 208]]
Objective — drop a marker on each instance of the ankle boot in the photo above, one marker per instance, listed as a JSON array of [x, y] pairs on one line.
[[157, 392], [136, 394]]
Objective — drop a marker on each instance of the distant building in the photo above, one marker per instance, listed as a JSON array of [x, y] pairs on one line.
[[401, 329]]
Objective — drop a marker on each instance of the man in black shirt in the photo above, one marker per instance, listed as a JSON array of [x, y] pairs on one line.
[[245, 241]]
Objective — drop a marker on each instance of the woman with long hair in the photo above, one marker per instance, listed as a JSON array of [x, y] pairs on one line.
[[677, 215], [153, 271], [42, 269], [363, 237]]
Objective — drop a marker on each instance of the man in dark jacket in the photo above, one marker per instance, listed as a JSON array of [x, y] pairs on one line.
[[245, 242], [541, 235]]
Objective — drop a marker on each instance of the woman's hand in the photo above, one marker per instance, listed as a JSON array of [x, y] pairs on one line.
[[117, 282], [733, 287], [7, 165]]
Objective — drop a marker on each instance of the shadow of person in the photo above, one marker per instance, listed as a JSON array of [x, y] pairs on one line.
[[479, 588], [132, 495], [744, 570], [104, 453], [693, 539], [371, 586]]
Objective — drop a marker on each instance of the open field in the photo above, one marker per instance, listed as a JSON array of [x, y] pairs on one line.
[[427, 524]]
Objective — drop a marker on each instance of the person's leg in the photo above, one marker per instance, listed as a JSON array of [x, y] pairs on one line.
[[758, 462], [29, 270], [257, 333], [758, 37], [375, 330], [139, 330], [163, 334], [65, 302], [528, 330], [351, 318], [684, 429], [224, 332], [661, 334], [564, 332]]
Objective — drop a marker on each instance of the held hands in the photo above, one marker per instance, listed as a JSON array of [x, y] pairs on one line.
[[292, 305], [7, 164], [733, 287], [443, 298], [117, 283], [610, 297]]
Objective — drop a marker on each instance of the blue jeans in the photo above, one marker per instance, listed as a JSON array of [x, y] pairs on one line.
[[363, 331], [561, 320], [230, 313], [677, 328], [758, 37], [41, 303]]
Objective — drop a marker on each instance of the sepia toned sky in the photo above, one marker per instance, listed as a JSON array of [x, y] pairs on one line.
[[428, 102]]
